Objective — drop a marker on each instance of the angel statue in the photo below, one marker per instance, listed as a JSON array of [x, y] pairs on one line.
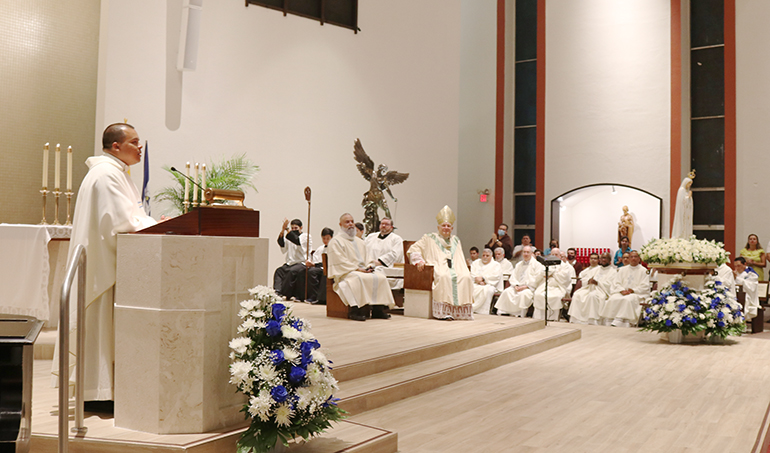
[[379, 180]]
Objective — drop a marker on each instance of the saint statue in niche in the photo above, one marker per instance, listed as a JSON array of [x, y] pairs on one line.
[[626, 226], [682, 224]]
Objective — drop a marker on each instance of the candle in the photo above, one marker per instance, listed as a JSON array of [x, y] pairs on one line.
[[195, 189], [57, 167], [45, 166], [69, 169], [203, 182], [187, 184]]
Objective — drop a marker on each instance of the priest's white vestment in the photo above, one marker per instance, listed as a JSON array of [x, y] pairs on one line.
[[750, 281], [345, 256], [492, 274], [506, 267], [626, 309], [588, 301], [726, 276], [108, 203], [452, 286], [385, 252], [526, 273], [559, 282]]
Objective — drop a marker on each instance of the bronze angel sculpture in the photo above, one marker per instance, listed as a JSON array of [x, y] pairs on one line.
[[379, 180]]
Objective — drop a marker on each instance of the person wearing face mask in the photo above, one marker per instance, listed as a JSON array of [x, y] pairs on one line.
[[452, 284], [501, 239], [596, 285], [357, 284], [487, 275], [289, 279]]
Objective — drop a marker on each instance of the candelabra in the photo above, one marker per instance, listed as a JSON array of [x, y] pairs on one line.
[[44, 191]]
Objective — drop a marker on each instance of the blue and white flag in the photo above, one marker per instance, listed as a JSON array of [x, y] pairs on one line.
[[145, 192]]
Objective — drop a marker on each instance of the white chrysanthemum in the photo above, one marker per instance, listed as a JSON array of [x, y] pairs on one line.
[[290, 355], [240, 344], [242, 313], [239, 371], [305, 395], [247, 325], [258, 314], [267, 372], [283, 415], [290, 332], [259, 406], [670, 306], [306, 335], [319, 357], [249, 304]]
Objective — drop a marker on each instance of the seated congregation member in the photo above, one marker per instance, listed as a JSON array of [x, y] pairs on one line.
[[505, 265], [516, 255], [487, 278], [317, 258], [452, 284], [727, 277], [360, 230], [289, 279], [385, 249], [501, 239], [624, 246], [755, 256], [559, 282], [630, 289], [747, 277], [356, 284], [596, 285], [524, 279], [474, 255], [572, 260]]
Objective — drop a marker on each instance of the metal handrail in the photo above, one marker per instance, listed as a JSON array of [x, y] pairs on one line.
[[76, 263]]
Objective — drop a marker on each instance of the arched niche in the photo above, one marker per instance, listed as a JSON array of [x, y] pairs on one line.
[[588, 216]]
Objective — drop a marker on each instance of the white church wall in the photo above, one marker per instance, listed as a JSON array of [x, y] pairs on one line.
[[753, 111], [293, 95], [607, 96], [476, 161]]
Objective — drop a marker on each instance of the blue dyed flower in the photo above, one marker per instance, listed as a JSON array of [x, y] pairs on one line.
[[646, 318], [717, 299], [679, 293], [681, 307], [718, 283], [279, 393], [296, 375], [669, 323], [306, 347], [278, 310], [273, 328], [720, 323], [277, 356], [693, 321], [297, 324], [648, 310], [720, 315]]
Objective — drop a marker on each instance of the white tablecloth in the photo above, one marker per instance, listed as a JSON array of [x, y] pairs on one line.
[[25, 268]]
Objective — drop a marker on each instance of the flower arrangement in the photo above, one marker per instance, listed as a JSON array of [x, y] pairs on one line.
[[677, 250], [278, 365], [677, 307]]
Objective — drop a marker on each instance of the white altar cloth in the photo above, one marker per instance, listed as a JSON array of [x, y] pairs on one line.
[[24, 270]]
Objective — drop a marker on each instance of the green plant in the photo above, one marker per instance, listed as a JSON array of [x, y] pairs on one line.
[[235, 173]]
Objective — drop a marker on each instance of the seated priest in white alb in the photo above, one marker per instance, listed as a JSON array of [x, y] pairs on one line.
[[452, 284], [727, 277], [386, 249], [505, 264], [559, 282], [523, 281], [630, 289], [487, 278], [749, 279], [356, 284], [108, 204], [596, 286]]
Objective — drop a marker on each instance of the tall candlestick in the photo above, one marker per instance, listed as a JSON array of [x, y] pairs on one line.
[[69, 168], [195, 189], [45, 168], [57, 166], [186, 199], [203, 183]]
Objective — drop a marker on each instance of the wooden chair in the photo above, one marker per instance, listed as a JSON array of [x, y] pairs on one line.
[[335, 307], [418, 288]]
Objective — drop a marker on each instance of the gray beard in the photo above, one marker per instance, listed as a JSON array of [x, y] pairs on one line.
[[349, 233]]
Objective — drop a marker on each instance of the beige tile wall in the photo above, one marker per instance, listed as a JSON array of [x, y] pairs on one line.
[[48, 65]]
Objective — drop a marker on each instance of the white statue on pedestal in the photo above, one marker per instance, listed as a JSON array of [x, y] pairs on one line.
[[682, 224]]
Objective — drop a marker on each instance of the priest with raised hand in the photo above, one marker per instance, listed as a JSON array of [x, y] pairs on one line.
[[452, 284], [385, 249], [523, 282], [355, 283], [749, 279], [559, 282], [595, 287], [108, 204], [487, 278], [630, 288]]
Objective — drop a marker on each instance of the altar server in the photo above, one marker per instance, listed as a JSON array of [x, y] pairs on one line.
[[108, 204], [356, 284], [385, 249], [726, 276], [559, 283], [289, 279], [523, 281], [452, 284], [596, 286], [487, 278], [630, 289], [747, 277]]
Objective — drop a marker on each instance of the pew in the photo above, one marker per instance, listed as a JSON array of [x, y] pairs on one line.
[[418, 288]]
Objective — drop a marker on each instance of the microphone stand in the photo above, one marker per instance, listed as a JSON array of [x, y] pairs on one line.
[[191, 180]]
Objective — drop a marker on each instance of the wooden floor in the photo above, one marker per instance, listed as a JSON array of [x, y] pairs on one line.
[[615, 390]]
